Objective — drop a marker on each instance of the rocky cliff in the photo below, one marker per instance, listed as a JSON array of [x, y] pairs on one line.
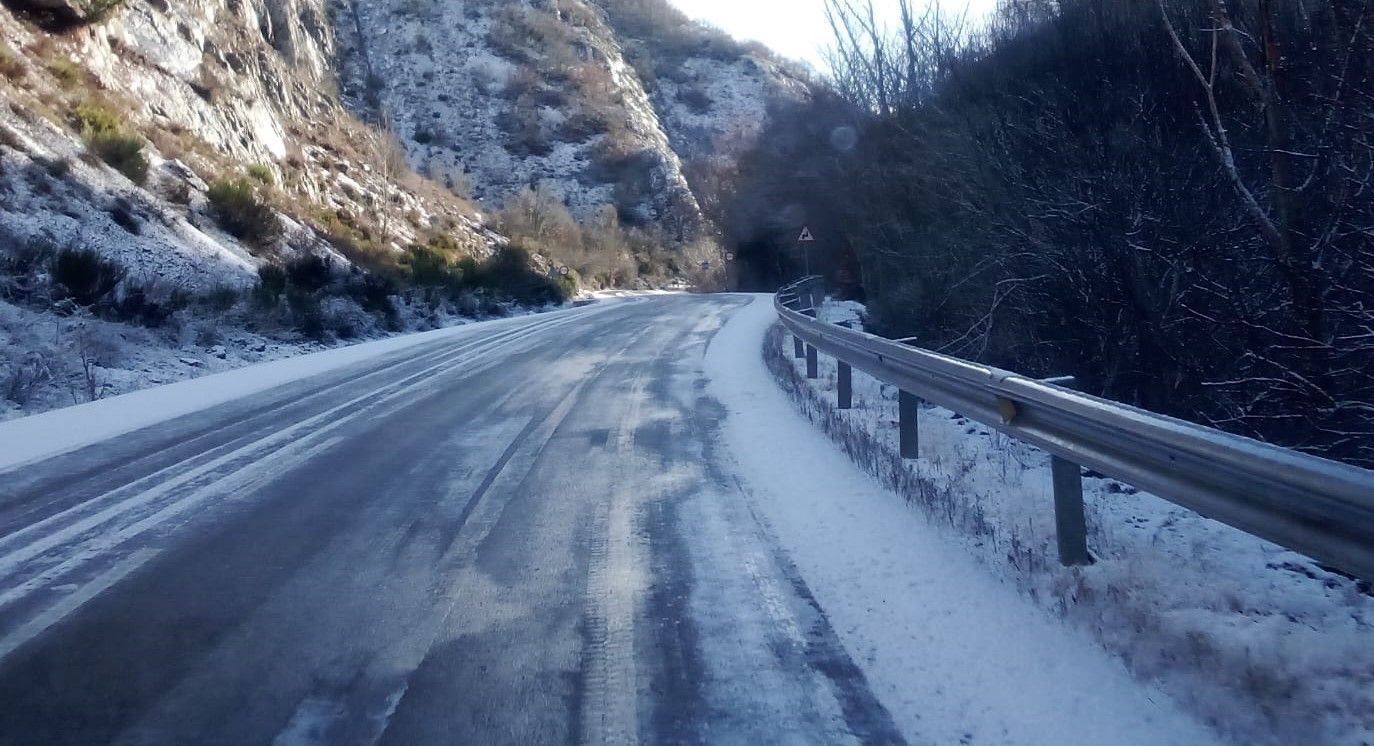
[[330, 168], [504, 95], [216, 88]]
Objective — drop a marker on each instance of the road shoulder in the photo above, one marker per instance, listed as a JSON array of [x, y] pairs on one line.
[[954, 654]]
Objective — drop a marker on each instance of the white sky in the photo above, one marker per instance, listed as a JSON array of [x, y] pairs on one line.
[[793, 28]]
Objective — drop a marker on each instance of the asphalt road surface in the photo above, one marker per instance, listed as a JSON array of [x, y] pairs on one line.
[[520, 534]]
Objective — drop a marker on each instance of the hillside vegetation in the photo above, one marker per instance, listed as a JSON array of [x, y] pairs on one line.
[[1170, 201]]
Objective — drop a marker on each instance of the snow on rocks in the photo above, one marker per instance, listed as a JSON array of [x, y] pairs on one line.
[[447, 48], [49, 194], [716, 109]]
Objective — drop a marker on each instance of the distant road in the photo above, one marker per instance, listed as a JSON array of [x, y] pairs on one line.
[[476, 540]]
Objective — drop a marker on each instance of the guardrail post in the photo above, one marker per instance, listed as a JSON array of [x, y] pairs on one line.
[[1070, 525], [844, 383], [798, 348], [908, 434], [808, 351]]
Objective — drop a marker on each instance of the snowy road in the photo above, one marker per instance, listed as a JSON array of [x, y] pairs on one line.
[[548, 529]]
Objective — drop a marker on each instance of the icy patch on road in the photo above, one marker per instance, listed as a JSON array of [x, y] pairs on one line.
[[954, 654]]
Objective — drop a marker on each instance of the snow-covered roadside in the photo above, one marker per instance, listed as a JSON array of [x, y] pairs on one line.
[[956, 655], [603, 295], [59, 431], [122, 357], [71, 360], [1262, 642]]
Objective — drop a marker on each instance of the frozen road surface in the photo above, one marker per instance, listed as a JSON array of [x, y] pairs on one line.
[[604, 525]]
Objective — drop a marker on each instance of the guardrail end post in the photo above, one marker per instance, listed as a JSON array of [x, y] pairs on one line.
[[1071, 527], [812, 364], [844, 384], [798, 348], [907, 431]]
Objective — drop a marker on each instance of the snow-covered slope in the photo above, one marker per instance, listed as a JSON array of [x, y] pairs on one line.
[[714, 109], [712, 93], [505, 95], [501, 96], [215, 87]]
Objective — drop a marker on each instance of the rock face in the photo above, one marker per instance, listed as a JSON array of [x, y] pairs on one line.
[[714, 109], [235, 73], [214, 88], [487, 97], [507, 95]]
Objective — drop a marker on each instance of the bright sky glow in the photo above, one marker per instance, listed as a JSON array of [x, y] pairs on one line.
[[793, 28]]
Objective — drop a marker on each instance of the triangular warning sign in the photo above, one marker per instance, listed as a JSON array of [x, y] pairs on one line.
[[806, 236]]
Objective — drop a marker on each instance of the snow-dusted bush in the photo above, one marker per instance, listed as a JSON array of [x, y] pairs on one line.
[[696, 98], [94, 347], [490, 73], [86, 277], [146, 304], [309, 272], [11, 68], [345, 319], [262, 173], [272, 281], [22, 372], [23, 269]]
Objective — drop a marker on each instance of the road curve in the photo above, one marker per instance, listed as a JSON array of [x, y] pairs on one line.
[[518, 534]]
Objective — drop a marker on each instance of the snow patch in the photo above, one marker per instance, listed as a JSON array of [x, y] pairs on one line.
[[1262, 642], [957, 655]]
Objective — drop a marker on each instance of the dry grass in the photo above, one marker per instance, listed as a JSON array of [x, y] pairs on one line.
[[66, 72], [11, 67]]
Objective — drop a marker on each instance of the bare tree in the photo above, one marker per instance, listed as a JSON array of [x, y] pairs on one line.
[[393, 163], [1046, 195]]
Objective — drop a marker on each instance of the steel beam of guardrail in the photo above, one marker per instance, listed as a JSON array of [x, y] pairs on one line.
[[1321, 508]]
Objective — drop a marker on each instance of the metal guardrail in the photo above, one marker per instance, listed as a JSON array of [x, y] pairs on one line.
[[1320, 508]]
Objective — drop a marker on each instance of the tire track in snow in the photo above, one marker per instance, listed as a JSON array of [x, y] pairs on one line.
[[37, 625], [615, 583], [325, 717]]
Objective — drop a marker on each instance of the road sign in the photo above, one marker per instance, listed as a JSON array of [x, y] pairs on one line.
[[804, 239]]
